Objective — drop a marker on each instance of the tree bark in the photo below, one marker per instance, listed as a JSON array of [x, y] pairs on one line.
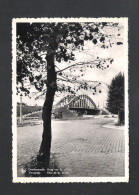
[[44, 152]]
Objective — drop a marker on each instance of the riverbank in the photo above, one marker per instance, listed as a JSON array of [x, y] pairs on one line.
[[35, 121]]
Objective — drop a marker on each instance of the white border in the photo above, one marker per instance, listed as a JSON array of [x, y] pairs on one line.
[[14, 126]]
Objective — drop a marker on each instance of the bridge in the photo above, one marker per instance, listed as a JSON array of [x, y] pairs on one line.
[[82, 104]]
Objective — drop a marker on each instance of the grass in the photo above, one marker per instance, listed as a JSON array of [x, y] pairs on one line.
[[28, 109]]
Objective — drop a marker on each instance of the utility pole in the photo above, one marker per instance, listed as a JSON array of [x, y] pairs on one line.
[[21, 108]]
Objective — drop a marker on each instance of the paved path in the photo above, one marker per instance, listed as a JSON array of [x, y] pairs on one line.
[[85, 147]]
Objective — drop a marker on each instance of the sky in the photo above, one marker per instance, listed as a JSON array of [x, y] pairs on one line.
[[90, 52], [105, 75]]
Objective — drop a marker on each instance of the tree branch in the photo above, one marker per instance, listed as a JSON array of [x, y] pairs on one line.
[[77, 64]]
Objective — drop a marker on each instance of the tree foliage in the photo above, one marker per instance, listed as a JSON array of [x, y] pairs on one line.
[[41, 50], [36, 41], [116, 94]]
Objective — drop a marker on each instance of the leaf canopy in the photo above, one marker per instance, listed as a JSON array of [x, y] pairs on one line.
[[36, 41]]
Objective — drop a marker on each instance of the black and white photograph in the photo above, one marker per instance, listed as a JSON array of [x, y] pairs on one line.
[[70, 100]]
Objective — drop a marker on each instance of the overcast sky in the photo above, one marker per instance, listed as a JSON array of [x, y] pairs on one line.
[[90, 52]]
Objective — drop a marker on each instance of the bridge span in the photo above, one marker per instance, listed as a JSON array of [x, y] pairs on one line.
[[81, 104]]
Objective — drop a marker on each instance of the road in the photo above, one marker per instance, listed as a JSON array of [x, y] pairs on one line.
[[85, 147]]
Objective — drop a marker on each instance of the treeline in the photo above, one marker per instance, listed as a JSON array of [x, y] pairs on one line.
[[115, 99], [28, 109]]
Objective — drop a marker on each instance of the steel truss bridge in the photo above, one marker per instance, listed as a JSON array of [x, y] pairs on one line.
[[80, 103]]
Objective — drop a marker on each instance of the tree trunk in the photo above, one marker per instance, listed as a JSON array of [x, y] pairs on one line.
[[44, 153]]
